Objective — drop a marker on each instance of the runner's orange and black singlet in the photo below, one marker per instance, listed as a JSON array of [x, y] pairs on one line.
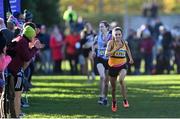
[[119, 57]]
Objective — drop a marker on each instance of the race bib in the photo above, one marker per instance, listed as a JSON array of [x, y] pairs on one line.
[[101, 52], [120, 53]]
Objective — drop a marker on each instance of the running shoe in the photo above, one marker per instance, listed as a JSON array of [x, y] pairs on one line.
[[21, 115], [125, 104], [24, 104], [114, 106], [105, 102], [100, 101]]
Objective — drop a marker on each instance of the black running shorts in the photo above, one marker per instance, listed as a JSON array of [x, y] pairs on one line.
[[114, 71], [102, 61]]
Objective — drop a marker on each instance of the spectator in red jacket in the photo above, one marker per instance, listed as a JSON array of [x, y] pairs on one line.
[[71, 51], [56, 45]]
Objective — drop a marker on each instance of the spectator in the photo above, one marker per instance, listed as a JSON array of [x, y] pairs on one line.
[[146, 46], [176, 47], [20, 18], [70, 18], [70, 14], [45, 53], [163, 59], [28, 16], [72, 54], [6, 32], [56, 45], [4, 61], [14, 26], [134, 45], [154, 9], [25, 49], [80, 24], [156, 34]]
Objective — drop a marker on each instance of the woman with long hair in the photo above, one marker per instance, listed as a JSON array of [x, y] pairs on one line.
[[100, 44], [117, 49]]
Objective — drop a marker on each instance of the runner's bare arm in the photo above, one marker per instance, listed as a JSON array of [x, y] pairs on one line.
[[129, 53]]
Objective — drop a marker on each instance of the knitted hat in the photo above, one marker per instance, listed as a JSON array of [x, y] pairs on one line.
[[29, 32]]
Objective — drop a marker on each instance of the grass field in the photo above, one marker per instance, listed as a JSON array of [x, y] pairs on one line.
[[73, 97]]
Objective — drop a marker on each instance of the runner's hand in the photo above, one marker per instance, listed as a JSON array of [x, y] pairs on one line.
[[131, 61]]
